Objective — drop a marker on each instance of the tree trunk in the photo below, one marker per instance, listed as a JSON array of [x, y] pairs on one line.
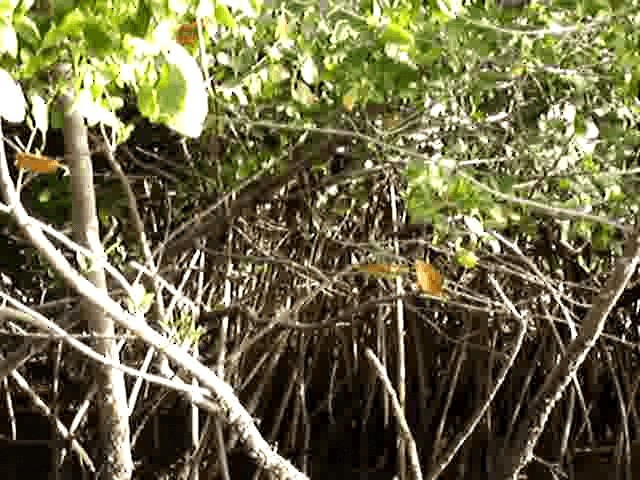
[[116, 461]]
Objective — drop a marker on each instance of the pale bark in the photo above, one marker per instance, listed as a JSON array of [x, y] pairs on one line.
[[117, 462]]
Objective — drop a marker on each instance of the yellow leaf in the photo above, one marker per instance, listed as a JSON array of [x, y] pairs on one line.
[[282, 29], [382, 268], [429, 279], [348, 102], [37, 163]]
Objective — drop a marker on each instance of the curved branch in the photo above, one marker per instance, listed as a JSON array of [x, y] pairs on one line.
[[222, 393]]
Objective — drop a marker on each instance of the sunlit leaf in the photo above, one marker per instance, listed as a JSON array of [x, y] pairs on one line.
[[8, 40], [7, 7], [72, 26], [309, 71], [40, 113], [376, 12], [205, 8], [466, 258], [13, 104], [148, 102], [451, 8], [223, 16], [171, 91], [178, 6], [394, 33], [44, 196], [27, 29], [140, 300], [190, 120], [282, 28], [474, 225], [93, 111], [583, 264]]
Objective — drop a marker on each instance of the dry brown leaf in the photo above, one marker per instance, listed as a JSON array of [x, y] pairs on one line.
[[37, 163], [429, 279], [187, 33]]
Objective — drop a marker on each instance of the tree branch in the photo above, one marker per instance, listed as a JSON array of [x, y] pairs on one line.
[[520, 452], [222, 393]]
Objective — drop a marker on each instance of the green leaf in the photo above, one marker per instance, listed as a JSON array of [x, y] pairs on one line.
[[71, 27], [394, 33], [62, 7], [254, 85], [38, 63], [124, 132], [171, 90], [498, 217], [466, 258], [190, 119], [138, 24], [100, 38], [376, 12], [245, 7], [256, 5], [614, 193], [73, 23], [8, 40], [13, 106], [148, 102], [56, 118], [602, 238], [278, 73], [584, 229], [25, 6], [44, 195], [223, 16], [27, 30]]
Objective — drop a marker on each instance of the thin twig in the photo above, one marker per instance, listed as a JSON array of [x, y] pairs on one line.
[[405, 431], [459, 440]]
